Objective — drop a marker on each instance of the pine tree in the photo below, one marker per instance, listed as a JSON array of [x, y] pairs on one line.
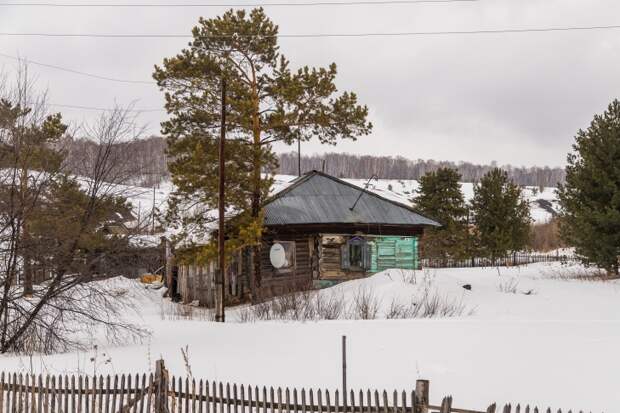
[[501, 215], [26, 150], [590, 198], [56, 224], [439, 197], [268, 102]]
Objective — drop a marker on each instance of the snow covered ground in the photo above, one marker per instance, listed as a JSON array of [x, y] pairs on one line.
[[536, 335]]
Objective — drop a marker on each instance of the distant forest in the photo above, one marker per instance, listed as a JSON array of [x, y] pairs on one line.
[[148, 159], [142, 162], [386, 167]]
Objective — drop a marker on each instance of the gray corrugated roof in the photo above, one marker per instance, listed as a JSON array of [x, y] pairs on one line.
[[317, 198]]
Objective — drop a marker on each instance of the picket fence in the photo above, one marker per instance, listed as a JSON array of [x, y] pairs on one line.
[[160, 393], [507, 261]]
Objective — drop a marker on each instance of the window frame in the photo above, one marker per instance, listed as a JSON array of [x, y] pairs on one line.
[[365, 250]]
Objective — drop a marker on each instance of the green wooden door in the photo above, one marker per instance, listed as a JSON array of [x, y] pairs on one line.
[[394, 252]]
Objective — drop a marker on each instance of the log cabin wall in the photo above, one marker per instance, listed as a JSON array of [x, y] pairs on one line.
[[318, 262], [274, 281], [330, 260]]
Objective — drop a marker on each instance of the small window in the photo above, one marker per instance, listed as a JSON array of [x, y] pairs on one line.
[[355, 255], [282, 256]]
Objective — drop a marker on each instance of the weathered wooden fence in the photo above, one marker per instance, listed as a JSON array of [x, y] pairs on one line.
[[160, 393], [507, 261]]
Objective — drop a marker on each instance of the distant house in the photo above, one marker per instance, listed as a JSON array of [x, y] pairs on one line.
[[320, 230]]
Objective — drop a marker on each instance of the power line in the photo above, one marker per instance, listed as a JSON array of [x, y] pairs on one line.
[[64, 69], [323, 35], [268, 4], [141, 110]]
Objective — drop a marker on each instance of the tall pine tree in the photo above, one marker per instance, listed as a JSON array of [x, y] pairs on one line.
[[268, 102], [590, 198], [501, 215], [440, 197]]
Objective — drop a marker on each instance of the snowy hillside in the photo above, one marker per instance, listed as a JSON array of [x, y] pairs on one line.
[[535, 334]]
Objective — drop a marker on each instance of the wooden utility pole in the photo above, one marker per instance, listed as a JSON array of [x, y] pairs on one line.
[[298, 157], [153, 214], [219, 283]]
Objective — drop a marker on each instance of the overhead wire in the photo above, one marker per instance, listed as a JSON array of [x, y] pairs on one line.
[[77, 72], [318, 35], [137, 110], [369, 34], [238, 4]]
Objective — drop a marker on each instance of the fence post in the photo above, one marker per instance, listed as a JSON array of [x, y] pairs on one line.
[[446, 405], [344, 372], [421, 396], [161, 387]]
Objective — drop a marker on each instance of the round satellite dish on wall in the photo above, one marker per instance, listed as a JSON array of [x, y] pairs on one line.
[[277, 255]]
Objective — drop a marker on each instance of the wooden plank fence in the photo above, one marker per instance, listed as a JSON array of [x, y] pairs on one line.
[[160, 393], [507, 261]]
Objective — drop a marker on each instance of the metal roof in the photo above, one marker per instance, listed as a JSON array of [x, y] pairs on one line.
[[318, 198]]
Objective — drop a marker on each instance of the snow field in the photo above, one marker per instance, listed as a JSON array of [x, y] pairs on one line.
[[536, 335]]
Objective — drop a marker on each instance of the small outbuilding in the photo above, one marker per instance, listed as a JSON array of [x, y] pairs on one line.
[[319, 231]]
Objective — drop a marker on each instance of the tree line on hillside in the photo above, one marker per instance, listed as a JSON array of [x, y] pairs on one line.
[[147, 157], [151, 165], [346, 165]]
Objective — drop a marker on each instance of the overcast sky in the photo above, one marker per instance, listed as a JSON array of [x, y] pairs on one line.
[[512, 98]]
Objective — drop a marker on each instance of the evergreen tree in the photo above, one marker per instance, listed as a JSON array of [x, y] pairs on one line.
[[590, 198], [267, 102], [30, 161], [439, 196], [501, 215], [58, 225]]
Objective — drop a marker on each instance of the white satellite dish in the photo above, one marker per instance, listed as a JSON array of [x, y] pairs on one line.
[[277, 256]]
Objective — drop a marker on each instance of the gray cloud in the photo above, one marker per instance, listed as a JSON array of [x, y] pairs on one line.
[[514, 98]]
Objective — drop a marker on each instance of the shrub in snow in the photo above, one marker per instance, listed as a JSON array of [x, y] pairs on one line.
[[508, 285], [365, 305], [579, 273], [397, 310], [428, 305], [330, 308], [436, 305]]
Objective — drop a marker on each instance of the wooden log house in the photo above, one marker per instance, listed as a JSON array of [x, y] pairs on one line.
[[319, 231]]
